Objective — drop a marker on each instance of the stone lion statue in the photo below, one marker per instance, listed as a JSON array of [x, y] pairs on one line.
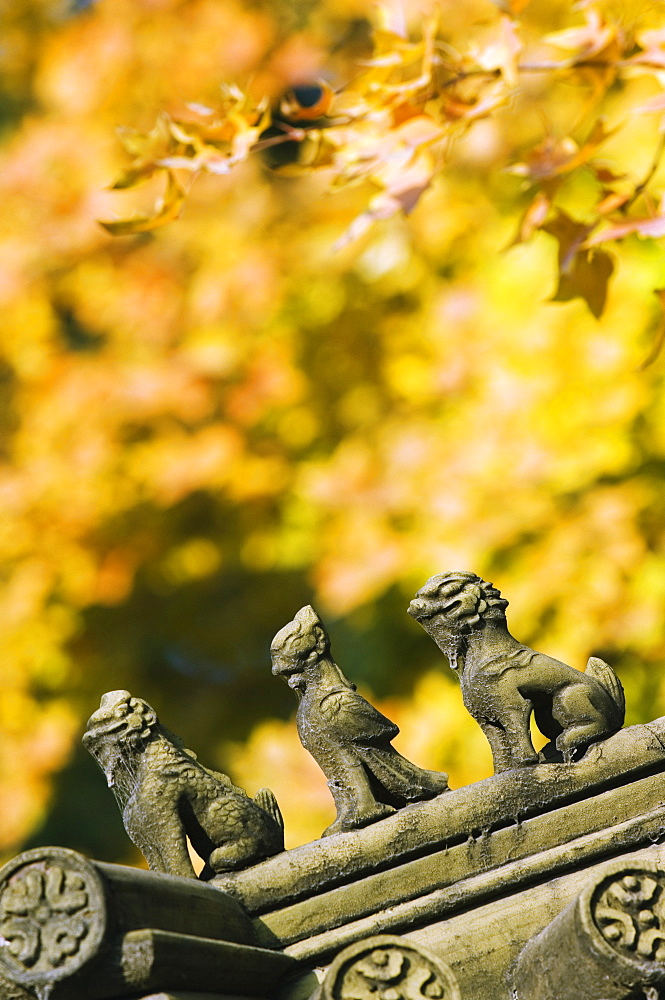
[[504, 682], [167, 797]]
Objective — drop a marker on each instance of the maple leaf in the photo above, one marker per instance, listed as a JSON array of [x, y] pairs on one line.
[[399, 69], [217, 139], [201, 139], [409, 94], [401, 165], [583, 272], [145, 150], [555, 157], [465, 111], [659, 340], [587, 278], [652, 56], [571, 236], [653, 227]]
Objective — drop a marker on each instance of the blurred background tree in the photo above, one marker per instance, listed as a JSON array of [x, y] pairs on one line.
[[207, 426]]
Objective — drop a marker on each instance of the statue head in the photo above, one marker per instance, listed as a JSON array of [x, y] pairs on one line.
[[118, 730], [451, 605], [299, 645]]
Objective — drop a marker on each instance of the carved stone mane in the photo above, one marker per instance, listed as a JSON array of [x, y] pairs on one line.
[[461, 603], [464, 599], [117, 736]]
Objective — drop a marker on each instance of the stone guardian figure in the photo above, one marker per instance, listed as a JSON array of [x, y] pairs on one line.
[[349, 739], [504, 682]]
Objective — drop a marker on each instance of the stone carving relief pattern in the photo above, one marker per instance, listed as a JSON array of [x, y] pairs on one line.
[[389, 972], [42, 922], [630, 914]]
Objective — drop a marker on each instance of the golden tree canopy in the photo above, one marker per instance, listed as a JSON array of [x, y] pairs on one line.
[[404, 316]]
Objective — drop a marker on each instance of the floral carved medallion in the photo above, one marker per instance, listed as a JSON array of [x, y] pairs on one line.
[[629, 911], [387, 967], [51, 915]]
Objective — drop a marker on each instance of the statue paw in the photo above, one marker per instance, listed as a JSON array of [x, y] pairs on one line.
[[515, 762], [433, 783], [378, 810], [359, 817], [526, 761]]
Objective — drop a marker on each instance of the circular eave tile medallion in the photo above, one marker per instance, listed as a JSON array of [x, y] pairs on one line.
[[387, 967], [52, 915]]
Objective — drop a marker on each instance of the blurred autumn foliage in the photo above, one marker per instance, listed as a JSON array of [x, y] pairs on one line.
[[338, 371]]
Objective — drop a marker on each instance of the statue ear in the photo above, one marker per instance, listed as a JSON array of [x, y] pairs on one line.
[[142, 721], [313, 656]]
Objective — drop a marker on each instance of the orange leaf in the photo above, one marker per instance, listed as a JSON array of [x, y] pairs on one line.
[[653, 227], [533, 218], [612, 201]]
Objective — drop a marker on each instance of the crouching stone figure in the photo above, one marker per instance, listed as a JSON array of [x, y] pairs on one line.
[[503, 681], [166, 796], [349, 739]]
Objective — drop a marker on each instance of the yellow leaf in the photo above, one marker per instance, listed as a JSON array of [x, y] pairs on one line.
[[502, 53], [166, 209]]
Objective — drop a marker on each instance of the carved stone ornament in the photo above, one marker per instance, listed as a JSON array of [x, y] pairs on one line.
[[628, 908], [166, 796], [504, 682], [348, 738], [52, 916], [612, 936], [387, 967]]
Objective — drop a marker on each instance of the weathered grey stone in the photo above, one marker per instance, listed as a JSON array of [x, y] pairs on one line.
[[461, 880], [349, 739], [504, 682], [76, 930], [167, 797], [154, 959], [386, 966], [608, 942], [481, 944], [192, 996], [435, 843]]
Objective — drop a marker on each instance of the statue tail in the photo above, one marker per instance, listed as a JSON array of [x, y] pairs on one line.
[[603, 673], [266, 800]]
